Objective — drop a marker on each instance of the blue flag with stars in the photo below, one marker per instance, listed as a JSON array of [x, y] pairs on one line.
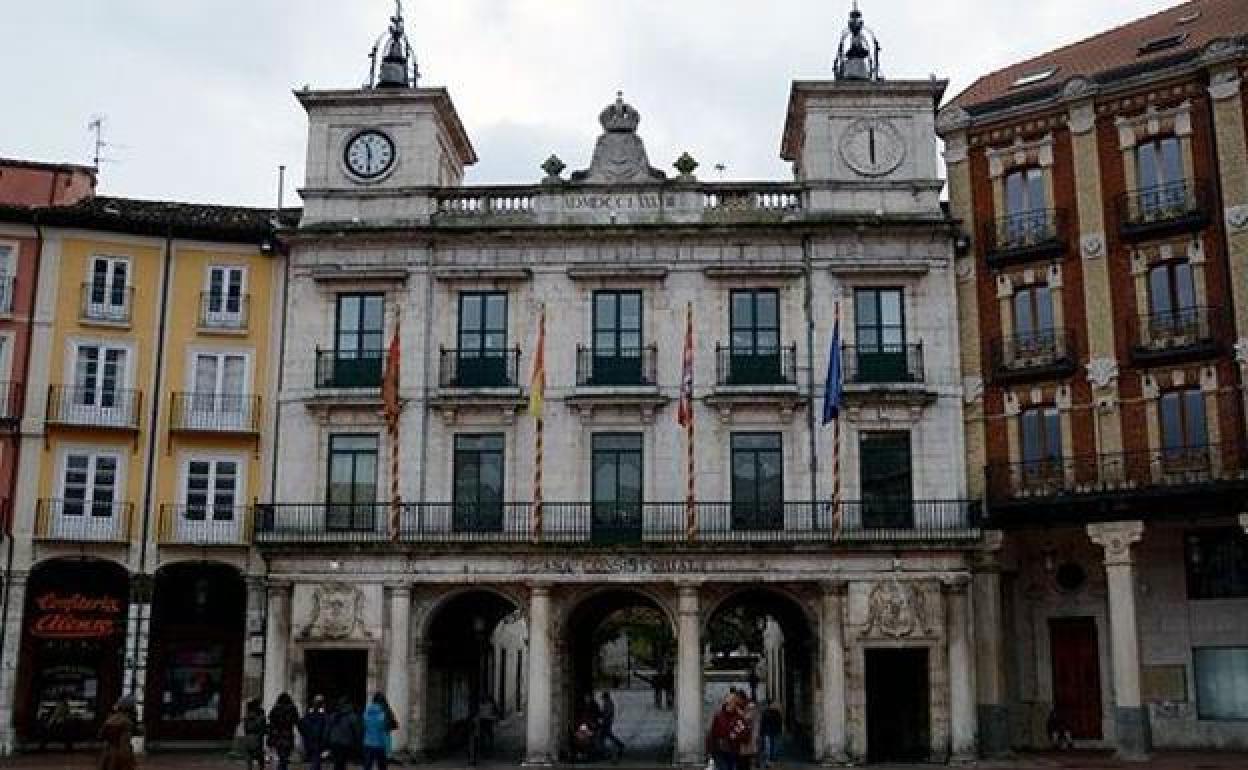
[[832, 392]]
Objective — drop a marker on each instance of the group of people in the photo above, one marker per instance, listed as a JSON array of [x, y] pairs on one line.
[[595, 728], [336, 735], [742, 734]]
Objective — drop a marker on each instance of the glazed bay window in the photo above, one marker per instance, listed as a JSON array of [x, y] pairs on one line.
[[1217, 564], [617, 485], [1221, 682], [481, 350], [1184, 431], [617, 346], [478, 483], [359, 343], [1027, 220], [757, 482], [352, 493], [754, 350], [880, 335], [885, 473]]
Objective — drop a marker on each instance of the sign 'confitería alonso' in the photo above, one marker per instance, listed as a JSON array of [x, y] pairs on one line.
[[76, 616]]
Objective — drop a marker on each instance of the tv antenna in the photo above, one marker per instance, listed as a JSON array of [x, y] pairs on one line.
[[96, 127]]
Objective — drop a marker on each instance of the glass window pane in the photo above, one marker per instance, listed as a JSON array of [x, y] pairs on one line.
[[1146, 165], [1035, 190], [1159, 289], [890, 307], [469, 312], [742, 310], [630, 311], [496, 312], [374, 314], [348, 313], [1024, 321], [1197, 435], [1172, 161], [1015, 194], [1221, 682], [1184, 285], [1043, 308], [768, 310], [1171, 422], [604, 310]]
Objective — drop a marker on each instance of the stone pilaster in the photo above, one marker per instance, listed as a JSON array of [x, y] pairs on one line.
[[690, 749], [1131, 717], [961, 670], [9, 663], [397, 672], [832, 633], [277, 641], [1225, 90], [253, 660], [539, 749], [419, 682], [994, 716]]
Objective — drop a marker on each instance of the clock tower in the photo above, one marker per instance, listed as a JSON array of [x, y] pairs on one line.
[[375, 153], [863, 144]]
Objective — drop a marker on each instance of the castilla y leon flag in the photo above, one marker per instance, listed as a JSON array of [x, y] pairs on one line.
[[537, 387], [684, 413], [391, 409]]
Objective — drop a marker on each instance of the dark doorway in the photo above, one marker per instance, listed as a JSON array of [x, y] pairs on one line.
[[898, 727], [337, 674], [1076, 676]]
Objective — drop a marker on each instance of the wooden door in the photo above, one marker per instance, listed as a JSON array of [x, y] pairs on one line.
[[1076, 676]]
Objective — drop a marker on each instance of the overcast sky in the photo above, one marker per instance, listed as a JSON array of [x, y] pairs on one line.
[[197, 93]]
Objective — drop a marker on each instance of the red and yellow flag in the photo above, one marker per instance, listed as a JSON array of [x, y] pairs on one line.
[[537, 388]]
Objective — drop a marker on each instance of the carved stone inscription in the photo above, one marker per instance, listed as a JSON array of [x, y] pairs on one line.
[[618, 201]]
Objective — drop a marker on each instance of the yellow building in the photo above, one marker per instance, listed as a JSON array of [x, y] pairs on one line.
[[148, 414]]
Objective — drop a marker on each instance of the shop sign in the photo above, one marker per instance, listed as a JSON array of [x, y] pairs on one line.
[[76, 616]]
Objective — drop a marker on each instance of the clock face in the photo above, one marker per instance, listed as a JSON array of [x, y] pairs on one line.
[[873, 147], [369, 154]]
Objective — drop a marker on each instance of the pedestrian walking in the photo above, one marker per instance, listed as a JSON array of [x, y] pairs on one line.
[[377, 720], [116, 733], [749, 742], [344, 734], [254, 729], [607, 732], [283, 720], [56, 726], [723, 741], [312, 730], [771, 726]]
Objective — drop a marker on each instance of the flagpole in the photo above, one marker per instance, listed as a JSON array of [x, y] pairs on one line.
[[691, 509], [392, 427], [836, 448], [538, 394]]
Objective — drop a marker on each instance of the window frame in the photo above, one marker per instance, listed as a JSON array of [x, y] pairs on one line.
[[356, 522], [1050, 420], [616, 329], [483, 329], [1031, 292], [753, 329], [239, 494], [360, 332], [756, 513], [1033, 176], [1185, 397], [1202, 714], [880, 328], [109, 308], [224, 313], [478, 514], [1209, 548], [93, 454], [1161, 179]]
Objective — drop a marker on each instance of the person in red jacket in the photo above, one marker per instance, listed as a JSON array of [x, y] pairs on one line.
[[728, 732]]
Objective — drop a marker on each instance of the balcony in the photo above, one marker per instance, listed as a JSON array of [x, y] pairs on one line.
[[467, 369], [11, 405], [1163, 210], [590, 524], [1026, 236], [1176, 482], [222, 313], [116, 409], [106, 305], [736, 367], [1041, 355], [7, 284], [883, 364], [77, 521], [214, 413], [204, 525], [1178, 335], [349, 369], [625, 367]]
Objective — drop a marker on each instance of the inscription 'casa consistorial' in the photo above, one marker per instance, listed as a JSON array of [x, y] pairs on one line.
[[618, 201], [614, 565]]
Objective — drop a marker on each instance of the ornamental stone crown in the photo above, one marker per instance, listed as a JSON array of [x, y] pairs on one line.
[[619, 117]]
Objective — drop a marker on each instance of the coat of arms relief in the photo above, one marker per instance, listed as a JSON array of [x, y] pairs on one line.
[[896, 610], [336, 612]]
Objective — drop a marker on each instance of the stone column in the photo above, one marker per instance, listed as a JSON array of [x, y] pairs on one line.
[[961, 670], [419, 683], [10, 661], [993, 713], [832, 713], [690, 747], [539, 749], [400, 597], [277, 641], [1130, 715]]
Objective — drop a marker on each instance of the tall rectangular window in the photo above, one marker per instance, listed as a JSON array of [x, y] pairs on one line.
[[1221, 682], [885, 472], [1217, 564], [754, 350], [1183, 419], [359, 340], [1041, 435], [99, 391], [617, 338], [1172, 305], [89, 486], [211, 490], [482, 344], [7, 269], [617, 485], [224, 300], [108, 292], [1033, 311], [1024, 192], [880, 335], [1160, 178], [757, 481], [478, 483], [352, 482], [219, 400]]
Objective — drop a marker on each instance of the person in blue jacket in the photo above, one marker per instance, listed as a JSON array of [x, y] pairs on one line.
[[377, 727]]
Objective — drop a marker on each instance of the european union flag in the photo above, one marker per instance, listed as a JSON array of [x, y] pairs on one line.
[[832, 392]]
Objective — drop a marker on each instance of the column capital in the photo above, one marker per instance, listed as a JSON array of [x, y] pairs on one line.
[[279, 586], [834, 588], [399, 590], [1116, 537], [956, 584], [539, 589], [688, 588]]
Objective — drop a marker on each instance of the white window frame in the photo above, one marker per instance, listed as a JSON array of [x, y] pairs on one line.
[[8, 268], [222, 318], [79, 526], [107, 311], [213, 415], [125, 416], [210, 530]]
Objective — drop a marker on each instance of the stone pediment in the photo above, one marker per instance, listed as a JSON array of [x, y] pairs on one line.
[[620, 154]]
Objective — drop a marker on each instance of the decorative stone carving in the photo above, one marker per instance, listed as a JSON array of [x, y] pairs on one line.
[[1149, 388], [1076, 87], [1116, 537], [972, 389], [1237, 219], [952, 118], [1092, 246], [553, 167], [955, 149], [686, 165], [620, 155], [1102, 372], [895, 610], [1224, 85], [1020, 152], [964, 268], [1012, 406], [336, 613], [1082, 118]]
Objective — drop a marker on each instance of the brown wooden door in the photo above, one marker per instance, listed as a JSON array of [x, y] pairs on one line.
[[1076, 676]]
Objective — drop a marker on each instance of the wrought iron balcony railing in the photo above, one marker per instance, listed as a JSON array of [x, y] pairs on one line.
[[11, 398], [7, 286], [204, 525], [1167, 208], [755, 366], [477, 368], [1025, 235], [223, 312], [76, 521], [597, 524], [349, 369], [214, 413], [1176, 333], [883, 364], [1043, 353], [94, 407], [619, 367], [106, 304]]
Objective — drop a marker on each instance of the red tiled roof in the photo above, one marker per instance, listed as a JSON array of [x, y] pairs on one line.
[[1198, 23]]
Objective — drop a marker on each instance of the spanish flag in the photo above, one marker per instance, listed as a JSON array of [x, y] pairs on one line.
[[537, 388]]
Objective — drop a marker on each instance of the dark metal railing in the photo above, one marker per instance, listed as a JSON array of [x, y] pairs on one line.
[[1025, 235], [224, 312], [11, 398], [880, 364], [1118, 473], [1179, 330], [1176, 205], [1047, 351], [94, 407], [755, 366], [589, 523], [108, 304], [78, 520], [207, 524], [349, 368], [215, 413], [477, 368], [7, 285], [622, 366]]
